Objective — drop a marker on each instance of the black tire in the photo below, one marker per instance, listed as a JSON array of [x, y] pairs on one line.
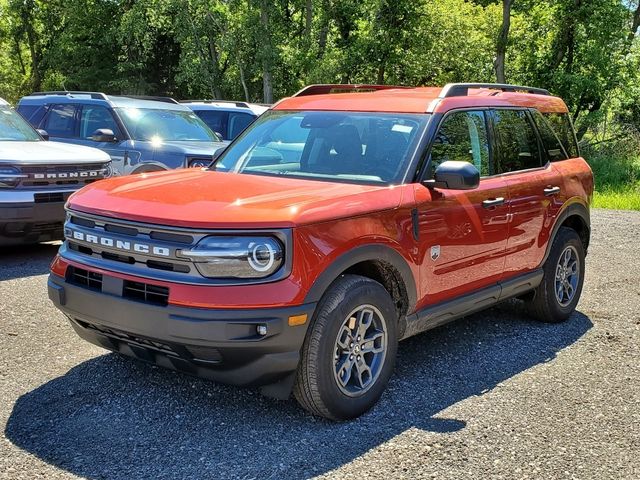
[[545, 305], [316, 387]]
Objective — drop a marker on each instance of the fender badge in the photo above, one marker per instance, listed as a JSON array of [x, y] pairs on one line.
[[435, 252]]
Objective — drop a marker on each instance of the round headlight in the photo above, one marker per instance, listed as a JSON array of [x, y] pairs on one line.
[[10, 177], [237, 257]]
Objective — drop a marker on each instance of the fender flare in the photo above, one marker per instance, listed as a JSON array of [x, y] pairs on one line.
[[574, 209], [371, 252], [148, 167]]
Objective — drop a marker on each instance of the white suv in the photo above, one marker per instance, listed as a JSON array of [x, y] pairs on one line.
[[37, 177]]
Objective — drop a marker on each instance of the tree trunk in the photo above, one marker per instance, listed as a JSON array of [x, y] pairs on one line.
[[324, 28], [308, 20], [243, 82], [635, 23], [267, 81], [503, 39]]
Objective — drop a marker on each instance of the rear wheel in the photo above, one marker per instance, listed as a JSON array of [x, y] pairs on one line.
[[349, 353], [559, 292]]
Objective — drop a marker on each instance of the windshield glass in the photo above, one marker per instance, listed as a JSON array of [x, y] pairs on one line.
[[332, 146], [154, 125], [15, 128]]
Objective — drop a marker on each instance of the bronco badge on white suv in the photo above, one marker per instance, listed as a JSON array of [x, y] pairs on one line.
[[37, 177]]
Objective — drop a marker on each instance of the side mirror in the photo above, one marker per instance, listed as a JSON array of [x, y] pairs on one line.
[[217, 153], [104, 135], [219, 135], [43, 134], [453, 175]]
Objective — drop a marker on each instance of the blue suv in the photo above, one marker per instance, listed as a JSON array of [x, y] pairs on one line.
[[141, 134]]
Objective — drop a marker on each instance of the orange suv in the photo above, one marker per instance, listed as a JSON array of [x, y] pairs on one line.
[[345, 219]]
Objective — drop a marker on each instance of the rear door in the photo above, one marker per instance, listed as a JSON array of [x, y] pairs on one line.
[[533, 187], [462, 234]]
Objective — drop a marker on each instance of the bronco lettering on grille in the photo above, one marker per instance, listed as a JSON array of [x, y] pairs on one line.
[[87, 174], [120, 244]]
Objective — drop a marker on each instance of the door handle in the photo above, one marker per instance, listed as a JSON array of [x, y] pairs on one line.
[[551, 191], [493, 202]]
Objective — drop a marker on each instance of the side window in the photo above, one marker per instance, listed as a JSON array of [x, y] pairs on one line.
[[462, 137], [216, 120], [61, 121], [237, 123], [561, 124], [516, 141], [94, 117], [552, 146]]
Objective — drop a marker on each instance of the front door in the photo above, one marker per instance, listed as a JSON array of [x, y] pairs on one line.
[[462, 234]]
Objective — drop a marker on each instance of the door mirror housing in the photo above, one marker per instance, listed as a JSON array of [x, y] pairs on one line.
[[452, 175], [104, 135], [43, 134]]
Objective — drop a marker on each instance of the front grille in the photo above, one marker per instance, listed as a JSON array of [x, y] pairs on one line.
[[84, 278], [115, 241], [146, 292], [61, 175]]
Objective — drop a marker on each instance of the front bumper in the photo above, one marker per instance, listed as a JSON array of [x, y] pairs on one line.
[[31, 217], [221, 345]]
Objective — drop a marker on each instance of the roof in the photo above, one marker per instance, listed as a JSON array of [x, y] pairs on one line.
[[39, 98], [420, 100], [3, 101], [225, 105]]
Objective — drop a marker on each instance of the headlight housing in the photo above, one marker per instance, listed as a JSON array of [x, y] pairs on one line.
[[237, 256], [10, 177], [199, 162]]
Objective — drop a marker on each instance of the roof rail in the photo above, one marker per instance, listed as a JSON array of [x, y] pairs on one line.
[[212, 100], [94, 95], [322, 89], [462, 89], [152, 97]]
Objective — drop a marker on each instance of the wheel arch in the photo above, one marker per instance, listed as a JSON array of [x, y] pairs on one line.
[[148, 168], [575, 216], [378, 262]]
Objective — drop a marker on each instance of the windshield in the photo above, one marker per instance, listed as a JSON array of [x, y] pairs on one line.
[[155, 125], [15, 128], [332, 146]]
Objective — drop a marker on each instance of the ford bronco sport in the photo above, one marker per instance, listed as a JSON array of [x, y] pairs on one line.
[[343, 220], [141, 134], [37, 177]]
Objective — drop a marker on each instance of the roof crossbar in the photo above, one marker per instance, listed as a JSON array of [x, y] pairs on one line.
[[462, 89], [93, 95], [322, 89]]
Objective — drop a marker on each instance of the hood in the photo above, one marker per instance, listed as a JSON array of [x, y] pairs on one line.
[[26, 153], [200, 149], [199, 198]]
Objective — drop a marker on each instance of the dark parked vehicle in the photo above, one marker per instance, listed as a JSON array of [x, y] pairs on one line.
[[228, 119], [141, 134]]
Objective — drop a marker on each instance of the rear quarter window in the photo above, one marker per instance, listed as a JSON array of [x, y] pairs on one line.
[[563, 127]]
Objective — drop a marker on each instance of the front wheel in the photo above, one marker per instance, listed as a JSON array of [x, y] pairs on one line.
[[557, 296], [350, 349]]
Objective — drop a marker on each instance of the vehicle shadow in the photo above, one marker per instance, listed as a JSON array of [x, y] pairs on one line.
[[112, 417], [26, 260]]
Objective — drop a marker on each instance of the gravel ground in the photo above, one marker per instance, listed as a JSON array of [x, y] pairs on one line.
[[495, 395]]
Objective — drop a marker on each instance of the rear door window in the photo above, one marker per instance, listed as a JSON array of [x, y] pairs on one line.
[[462, 136], [516, 141], [216, 120], [61, 121]]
